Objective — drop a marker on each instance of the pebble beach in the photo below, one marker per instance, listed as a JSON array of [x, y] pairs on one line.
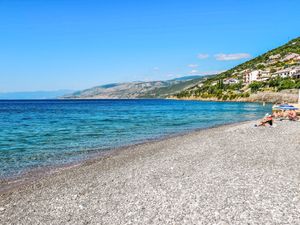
[[232, 174]]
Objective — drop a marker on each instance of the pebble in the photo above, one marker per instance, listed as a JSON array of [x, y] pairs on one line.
[[196, 183]]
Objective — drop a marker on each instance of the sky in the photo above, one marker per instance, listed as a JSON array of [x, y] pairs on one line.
[[78, 44]]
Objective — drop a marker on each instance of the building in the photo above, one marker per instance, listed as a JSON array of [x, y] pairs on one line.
[[290, 56], [231, 81], [282, 73], [297, 59], [294, 70], [214, 83], [264, 75], [251, 76], [256, 75], [272, 57], [296, 75], [288, 72]]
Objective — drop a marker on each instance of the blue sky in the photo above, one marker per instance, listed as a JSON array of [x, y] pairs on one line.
[[76, 44]]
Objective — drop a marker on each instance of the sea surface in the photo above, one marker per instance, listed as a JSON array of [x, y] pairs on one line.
[[41, 133]]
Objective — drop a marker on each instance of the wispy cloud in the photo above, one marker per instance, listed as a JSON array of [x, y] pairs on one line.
[[194, 72], [228, 57], [193, 65], [202, 56], [156, 68]]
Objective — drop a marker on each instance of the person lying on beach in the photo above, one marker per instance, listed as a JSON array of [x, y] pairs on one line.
[[277, 115], [268, 119], [283, 114], [292, 115]]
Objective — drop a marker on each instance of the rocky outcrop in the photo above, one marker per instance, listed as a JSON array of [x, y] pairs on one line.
[[290, 96]]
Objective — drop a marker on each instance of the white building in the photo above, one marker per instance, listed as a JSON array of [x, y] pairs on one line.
[[231, 81], [277, 56], [288, 72], [297, 58], [283, 73], [264, 75], [251, 76], [294, 70], [290, 56], [214, 83], [256, 75]]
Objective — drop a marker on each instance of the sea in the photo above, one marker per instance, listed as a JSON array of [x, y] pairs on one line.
[[37, 134]]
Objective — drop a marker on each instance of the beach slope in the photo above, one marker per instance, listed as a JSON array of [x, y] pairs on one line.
[[233, 174]]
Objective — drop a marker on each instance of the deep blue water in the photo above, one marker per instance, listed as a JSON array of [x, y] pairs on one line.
[[54, 132]]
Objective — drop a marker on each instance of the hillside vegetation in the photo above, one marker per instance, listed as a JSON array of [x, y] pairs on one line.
[[270, 78], [273, 72]]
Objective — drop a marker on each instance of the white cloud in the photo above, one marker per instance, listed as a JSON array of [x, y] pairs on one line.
[[194, 72], [156, 68], [228, 57], [193, 65], [202, 56], [171, 75]]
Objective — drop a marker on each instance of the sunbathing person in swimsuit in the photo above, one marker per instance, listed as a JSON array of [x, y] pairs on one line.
[[292, 115], [268, 119]]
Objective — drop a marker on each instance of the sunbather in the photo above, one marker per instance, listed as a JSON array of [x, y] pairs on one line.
[[292, 115], [268, 119]]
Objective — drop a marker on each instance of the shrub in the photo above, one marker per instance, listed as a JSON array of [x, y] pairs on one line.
[[225, 97], [286, 84], [255, 86]]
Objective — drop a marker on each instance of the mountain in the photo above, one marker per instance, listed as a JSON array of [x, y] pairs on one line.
[[138, 89], [270, 74], [34, 94]]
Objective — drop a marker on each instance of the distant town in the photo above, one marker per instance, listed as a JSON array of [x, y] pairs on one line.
[[266, 74], [276, 72]]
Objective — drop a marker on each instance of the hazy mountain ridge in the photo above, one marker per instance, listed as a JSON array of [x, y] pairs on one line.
[[137, 89]]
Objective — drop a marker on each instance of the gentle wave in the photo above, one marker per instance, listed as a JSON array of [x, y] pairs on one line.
[[53, 132]]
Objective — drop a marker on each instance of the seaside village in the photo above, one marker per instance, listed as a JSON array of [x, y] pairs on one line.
[[276, 66], [292, 64], [287, 66]]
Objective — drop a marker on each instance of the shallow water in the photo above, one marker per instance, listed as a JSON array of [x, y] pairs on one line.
[[42, 133]]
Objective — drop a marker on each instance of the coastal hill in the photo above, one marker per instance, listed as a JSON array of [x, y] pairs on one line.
[[273, 76], [138, 89]]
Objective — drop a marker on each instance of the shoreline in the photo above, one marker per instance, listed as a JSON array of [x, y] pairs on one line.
[[30, 176], [230, 174]]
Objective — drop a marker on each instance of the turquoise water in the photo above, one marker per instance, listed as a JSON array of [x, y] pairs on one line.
[[42, 133]]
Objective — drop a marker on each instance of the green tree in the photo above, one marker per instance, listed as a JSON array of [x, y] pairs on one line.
[[220, 84], [275, 82], [260, 66], [286, 84], [255, 86]]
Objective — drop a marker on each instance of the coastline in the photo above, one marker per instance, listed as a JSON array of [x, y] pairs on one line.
[[259, 97], [230, 174], [30, 176]]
